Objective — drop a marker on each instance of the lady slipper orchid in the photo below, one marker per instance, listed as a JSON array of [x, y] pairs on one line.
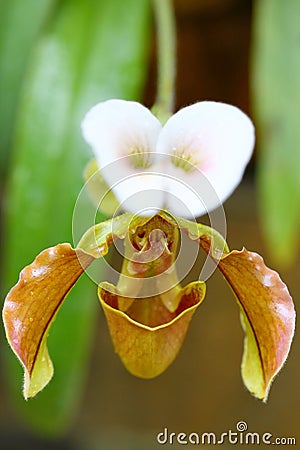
[[161, 176]]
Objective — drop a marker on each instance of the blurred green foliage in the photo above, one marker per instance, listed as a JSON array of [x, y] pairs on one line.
[[276, 104], [58, 58], [21, 23]]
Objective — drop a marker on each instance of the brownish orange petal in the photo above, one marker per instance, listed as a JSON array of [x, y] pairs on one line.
[[148, 336], [267, 316], [31, 306]]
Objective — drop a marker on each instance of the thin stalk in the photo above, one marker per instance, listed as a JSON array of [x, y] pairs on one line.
[[166, 58]]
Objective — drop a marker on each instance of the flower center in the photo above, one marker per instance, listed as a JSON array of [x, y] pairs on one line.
[[140, 158], [184, 159]]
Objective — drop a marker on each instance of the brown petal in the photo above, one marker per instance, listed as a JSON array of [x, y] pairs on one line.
[[267, 315], [148, 336], [31, 306]]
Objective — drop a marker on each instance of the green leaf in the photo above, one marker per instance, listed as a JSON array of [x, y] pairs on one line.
[[21, 23], [276, 104], [92, 50]]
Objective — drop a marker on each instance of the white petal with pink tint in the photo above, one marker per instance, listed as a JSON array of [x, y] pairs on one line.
[[123, 135], [190, 166], [140, 192], [207, 143], [118, 128]]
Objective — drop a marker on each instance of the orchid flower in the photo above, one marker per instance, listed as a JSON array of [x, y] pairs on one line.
[[162, 176]]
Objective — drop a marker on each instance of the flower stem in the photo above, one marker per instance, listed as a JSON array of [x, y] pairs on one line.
[[166, 55]]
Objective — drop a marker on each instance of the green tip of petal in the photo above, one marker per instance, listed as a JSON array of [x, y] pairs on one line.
[[41, 374]]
